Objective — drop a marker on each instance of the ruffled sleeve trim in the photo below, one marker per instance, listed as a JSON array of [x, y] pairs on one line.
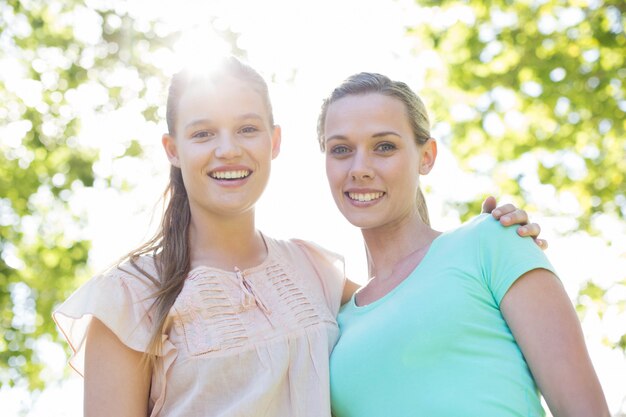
[[120, 298]]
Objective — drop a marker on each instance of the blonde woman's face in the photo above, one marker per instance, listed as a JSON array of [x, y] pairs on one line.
[[372, 160]]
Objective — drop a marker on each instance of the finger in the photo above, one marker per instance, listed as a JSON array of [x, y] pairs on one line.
[[489, 204], [503, 210], [531, 230], [516, 217], [542, 243]]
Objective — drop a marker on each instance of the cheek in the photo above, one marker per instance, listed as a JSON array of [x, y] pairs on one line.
[[193, 160], [332, 172], [260, 149], [189, 161], [400, 178]]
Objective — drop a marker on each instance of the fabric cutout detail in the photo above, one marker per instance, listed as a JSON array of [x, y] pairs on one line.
[[299, 306], [207, 317]]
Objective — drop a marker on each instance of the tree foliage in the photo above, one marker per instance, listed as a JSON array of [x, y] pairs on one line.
[[60, 60], [541, 82]]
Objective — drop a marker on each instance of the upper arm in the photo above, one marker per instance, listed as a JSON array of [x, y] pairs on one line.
[[546, 328], [117, 383]]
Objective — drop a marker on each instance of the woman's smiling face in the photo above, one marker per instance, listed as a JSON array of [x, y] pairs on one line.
[[224, 144], [372, 159]]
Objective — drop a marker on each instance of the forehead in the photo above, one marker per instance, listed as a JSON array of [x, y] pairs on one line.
[[365, 112], [224, 97]]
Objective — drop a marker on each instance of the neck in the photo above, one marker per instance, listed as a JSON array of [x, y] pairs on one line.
[[226, 242], [389, 245]]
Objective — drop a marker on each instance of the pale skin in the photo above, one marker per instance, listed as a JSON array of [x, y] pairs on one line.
[[211, 136], [545, 325], [116, 382], [369, 141]]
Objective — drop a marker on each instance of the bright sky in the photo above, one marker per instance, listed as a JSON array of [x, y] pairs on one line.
[[317, 44]]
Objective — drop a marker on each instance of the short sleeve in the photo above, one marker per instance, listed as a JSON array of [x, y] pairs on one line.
[[330, 269], [505, 256], [118, 299]]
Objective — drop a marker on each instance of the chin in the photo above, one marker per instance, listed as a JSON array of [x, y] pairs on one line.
[[362, 222]]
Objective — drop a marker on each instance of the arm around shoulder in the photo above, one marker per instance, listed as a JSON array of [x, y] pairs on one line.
[[348, 289], [547, 330], [117, 382]]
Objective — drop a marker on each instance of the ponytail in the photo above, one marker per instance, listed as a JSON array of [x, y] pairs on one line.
[[422, 208], [171, 252]]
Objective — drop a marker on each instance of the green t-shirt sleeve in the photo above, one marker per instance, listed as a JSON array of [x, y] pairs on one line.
[[505, 256]]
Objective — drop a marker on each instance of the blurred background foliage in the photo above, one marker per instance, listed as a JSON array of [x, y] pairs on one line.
[[532, 97], [540, 79], [55, 72]]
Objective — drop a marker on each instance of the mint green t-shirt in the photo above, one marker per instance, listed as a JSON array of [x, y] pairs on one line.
[[437, 344]]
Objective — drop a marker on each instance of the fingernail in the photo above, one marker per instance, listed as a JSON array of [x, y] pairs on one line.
[[506, 218], [496, 212], [523, 230]]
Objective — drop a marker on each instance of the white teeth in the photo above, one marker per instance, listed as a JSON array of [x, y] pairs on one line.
[[365, 196], [229, 175]]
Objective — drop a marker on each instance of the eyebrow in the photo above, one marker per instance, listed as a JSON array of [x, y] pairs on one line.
[[375, 135], [197, 122], [250, 116], [204, 121]]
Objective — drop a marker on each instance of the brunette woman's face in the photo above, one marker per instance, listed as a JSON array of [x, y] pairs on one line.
[[224, 145], [372, 159]]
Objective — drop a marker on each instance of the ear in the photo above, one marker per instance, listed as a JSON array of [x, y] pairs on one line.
[[276, 138], [169, 144], [428, 153]]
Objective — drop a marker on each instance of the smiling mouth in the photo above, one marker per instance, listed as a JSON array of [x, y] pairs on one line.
[[230, 175], [365, 197]]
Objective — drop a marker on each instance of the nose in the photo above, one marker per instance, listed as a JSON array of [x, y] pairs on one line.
[[227, 147], [361, 167]]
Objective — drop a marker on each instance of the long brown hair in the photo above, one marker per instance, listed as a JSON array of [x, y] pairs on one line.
[[170, 245], [367, 82]]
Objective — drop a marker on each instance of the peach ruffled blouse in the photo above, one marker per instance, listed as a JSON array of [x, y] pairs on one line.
[[254, 342]]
